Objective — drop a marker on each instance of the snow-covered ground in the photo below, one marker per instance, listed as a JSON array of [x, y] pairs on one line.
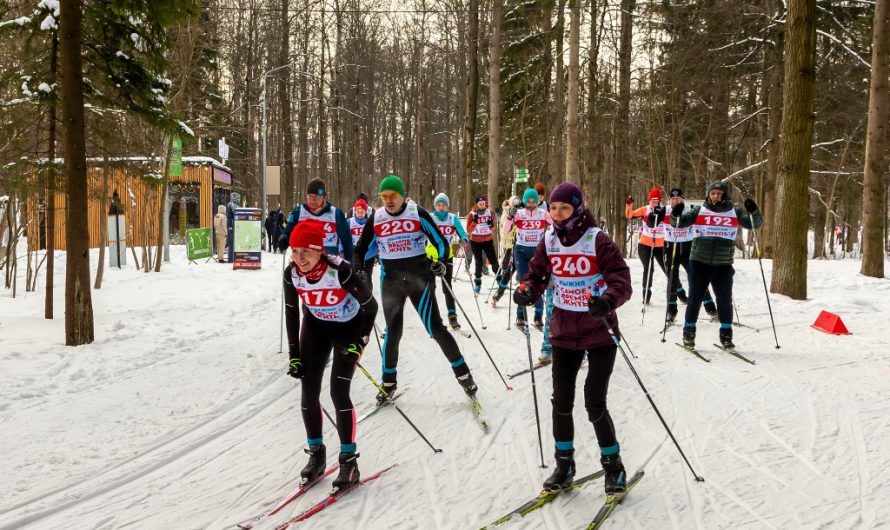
[[180, 415]]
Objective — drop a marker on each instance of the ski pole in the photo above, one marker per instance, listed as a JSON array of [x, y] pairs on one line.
[[765, 290], [698, 477], [476, 298], [377, 336], [531, 367], [405, 416], [509, 301], [670, 286], [735, 308], [479, 337], [491, 289], [326, 413], [281, 327]]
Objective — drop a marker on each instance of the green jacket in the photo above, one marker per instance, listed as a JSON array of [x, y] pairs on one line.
[[716, 250]]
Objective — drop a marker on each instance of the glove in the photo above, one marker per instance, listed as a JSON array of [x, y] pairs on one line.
[[656, 216], [750, 205], [475, 216], [438, 268], [282, 244], [511, 213], [361, 275], [598, 307], [295, 368], [522, 296], [355, 348], [677, 210], [630, 200]]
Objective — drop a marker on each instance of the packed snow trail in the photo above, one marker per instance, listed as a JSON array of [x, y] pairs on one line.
[[179, 415]]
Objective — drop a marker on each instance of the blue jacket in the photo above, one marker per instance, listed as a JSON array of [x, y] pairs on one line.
[[342, 228]]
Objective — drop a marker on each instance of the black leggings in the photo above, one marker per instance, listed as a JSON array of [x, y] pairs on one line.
[[566, 364], [449, 275], [317, 339], [646, 252], [488, 248], [720, 278], [681, 260], [421, 290]]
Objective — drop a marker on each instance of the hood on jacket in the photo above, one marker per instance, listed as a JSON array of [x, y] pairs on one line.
[[221, 209]]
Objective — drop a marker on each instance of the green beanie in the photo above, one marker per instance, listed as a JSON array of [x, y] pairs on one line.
[[392, 183]]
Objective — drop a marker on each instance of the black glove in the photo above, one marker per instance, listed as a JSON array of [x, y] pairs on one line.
[[656, 216], [750, 205], [598, 307], [677, 210], [511, 213], [523, 296], [295, 368], [475, 216], [630, 200], [282, 244], [361, 274], [355, 349], [438, 268]]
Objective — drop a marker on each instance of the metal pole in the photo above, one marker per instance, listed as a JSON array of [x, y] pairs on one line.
[[265, 76]]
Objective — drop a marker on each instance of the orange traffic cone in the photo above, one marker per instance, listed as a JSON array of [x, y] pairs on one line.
[[830, 323]]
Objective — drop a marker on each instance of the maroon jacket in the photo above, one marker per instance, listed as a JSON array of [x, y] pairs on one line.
[[575, 330]]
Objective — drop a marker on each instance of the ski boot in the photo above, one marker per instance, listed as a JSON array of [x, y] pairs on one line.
[[562, 476], [315, 467], [521, 324], [384, 398], [545, 358], [616, 478], [469, 386], [539, 323], [671, 317], [726, 338], [498, 293], [681, 296], [477, 286], [647, 297], [689, 337], [452, 321], [349, 474], [711, 310]]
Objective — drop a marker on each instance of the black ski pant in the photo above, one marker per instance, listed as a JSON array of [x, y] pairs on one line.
[[646, 254], [720, 278], [566, 364], [317, 339], [486, 247], [673, 264], [415, 283]]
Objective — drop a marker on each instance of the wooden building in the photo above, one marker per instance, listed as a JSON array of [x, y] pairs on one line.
[[203, 185]]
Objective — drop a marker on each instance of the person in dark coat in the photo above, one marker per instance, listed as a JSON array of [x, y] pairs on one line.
[[234, 203], [590, 280], [338, 240], [269, 225]]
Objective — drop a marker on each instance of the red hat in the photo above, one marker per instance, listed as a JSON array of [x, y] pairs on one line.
[[308, 234], [655, 193], [361, 203]]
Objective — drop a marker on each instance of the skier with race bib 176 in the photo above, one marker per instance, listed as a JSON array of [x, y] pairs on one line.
[[590, 280], [714, 225]]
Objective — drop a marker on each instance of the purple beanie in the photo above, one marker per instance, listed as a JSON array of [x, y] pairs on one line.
[[568, 193]]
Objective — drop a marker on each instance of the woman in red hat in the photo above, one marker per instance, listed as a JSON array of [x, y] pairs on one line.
[[651, 243], [338, 315]]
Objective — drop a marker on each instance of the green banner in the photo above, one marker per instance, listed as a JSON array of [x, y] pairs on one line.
[[198, 243], [176, 158]]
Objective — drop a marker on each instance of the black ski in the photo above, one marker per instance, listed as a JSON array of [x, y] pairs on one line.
[[377, 407], [527, 370], [612, 502], [732, 351], [543, 498], [693, 351]]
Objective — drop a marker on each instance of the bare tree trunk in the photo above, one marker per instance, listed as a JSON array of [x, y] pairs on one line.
[[103, 227], [873, 203], [78, 299], [795, 152], [303, 116], [494, 102], [572, 152], [555, 153], [51, 190], [472, 101], [622, 163], [776, 80], [162, 202]]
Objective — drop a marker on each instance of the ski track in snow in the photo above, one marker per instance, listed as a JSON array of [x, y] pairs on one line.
[[179, 415]]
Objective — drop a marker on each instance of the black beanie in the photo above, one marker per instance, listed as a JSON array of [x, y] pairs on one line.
[[315, 187], [676, 192]]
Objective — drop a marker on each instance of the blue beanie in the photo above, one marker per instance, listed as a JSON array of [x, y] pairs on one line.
[[442, 198], [530, 194]]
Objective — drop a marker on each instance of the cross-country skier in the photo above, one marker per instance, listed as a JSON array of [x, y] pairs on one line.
[[338, 314], [508, 240], [356, 225], [318, 208], [530, 222], [674, 258], [651, 245], [401, 229], [590, 280], [453, 231], [480, 224], [714, 224]]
